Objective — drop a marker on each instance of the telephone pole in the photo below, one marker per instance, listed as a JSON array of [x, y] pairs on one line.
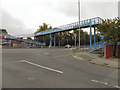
[[79, 19]]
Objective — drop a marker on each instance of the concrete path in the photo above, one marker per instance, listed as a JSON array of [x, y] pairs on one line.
[[95, 59]]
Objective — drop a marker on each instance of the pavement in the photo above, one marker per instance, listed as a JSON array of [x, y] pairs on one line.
[[53, 68], [92, 58]]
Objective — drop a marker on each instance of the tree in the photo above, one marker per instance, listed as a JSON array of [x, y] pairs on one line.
[[29, 38], [43, 28], [110, 28], [84, 37], [62, 38], [3, 31]]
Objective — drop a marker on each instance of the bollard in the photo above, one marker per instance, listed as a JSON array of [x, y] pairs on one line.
[[49, 46]]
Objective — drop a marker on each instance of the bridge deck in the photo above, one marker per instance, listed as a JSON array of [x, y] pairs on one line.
[[83, 24]]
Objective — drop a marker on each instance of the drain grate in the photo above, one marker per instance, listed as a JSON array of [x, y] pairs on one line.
[[105, 64], [90, 60]]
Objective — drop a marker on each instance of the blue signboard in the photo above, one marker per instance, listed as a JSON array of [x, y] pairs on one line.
[[104, 43], [102, 37]]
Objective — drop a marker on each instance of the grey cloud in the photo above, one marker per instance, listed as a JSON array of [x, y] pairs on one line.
[[68, 8], [101, 9], [119, 9], [13, 25], [89, 9]]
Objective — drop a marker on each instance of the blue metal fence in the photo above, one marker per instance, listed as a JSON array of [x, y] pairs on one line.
[[99, 45]]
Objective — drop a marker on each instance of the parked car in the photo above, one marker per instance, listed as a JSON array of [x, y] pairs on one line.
[[67, 46]]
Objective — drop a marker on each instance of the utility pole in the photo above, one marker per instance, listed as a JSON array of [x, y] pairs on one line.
[[75, 39], [119, 9], [84, 40], [79, 20]]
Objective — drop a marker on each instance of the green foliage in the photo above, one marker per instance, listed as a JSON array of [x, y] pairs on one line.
[[3, 31], [43, 28], [110, 28], [63, 38], [84, 37], [29, 38]]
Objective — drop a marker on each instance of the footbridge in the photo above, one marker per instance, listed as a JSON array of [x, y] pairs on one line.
[[91, 23], [73, 26]]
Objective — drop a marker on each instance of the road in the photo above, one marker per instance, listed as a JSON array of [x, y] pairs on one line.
[[52, 68]]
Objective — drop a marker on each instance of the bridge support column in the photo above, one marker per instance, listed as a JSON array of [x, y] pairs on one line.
[[54, 41], [34, 42], [21, 43], [43, 39], [50, 39], [90, 39], [7, 43], [38, 41], [94, 39]]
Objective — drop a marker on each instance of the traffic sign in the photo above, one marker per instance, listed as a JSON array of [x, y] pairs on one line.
[[102, 37]]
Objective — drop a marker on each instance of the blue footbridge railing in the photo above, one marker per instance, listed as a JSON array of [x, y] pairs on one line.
[[72, 26], [99, 45], [83, 24]]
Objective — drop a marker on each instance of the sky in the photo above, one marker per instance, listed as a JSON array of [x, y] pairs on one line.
[[25, 16]]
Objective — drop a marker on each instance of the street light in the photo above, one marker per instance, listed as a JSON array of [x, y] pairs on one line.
[[50, 37], [84, 39], [79, 19], [67, 36], [75, 38]]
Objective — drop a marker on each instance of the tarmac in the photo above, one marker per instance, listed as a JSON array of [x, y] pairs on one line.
[[92, 58], [53, 68]]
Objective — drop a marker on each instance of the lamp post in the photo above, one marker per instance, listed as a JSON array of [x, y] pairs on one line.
[[75, 38], [50, 38], [79, 19], [84, 40]]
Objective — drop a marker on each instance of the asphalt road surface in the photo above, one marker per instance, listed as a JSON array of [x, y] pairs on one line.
[[52, 68]]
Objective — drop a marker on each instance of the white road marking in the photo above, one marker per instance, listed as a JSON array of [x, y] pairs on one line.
[[96, 81], [31, 78], [106, 83], [20, 61], [46, 53], [117, 86], [42, 66]]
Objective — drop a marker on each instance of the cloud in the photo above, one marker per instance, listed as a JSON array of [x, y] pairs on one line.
[[25, 16], [68, 8], [89, 9], [13, 25], [101, 9]]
